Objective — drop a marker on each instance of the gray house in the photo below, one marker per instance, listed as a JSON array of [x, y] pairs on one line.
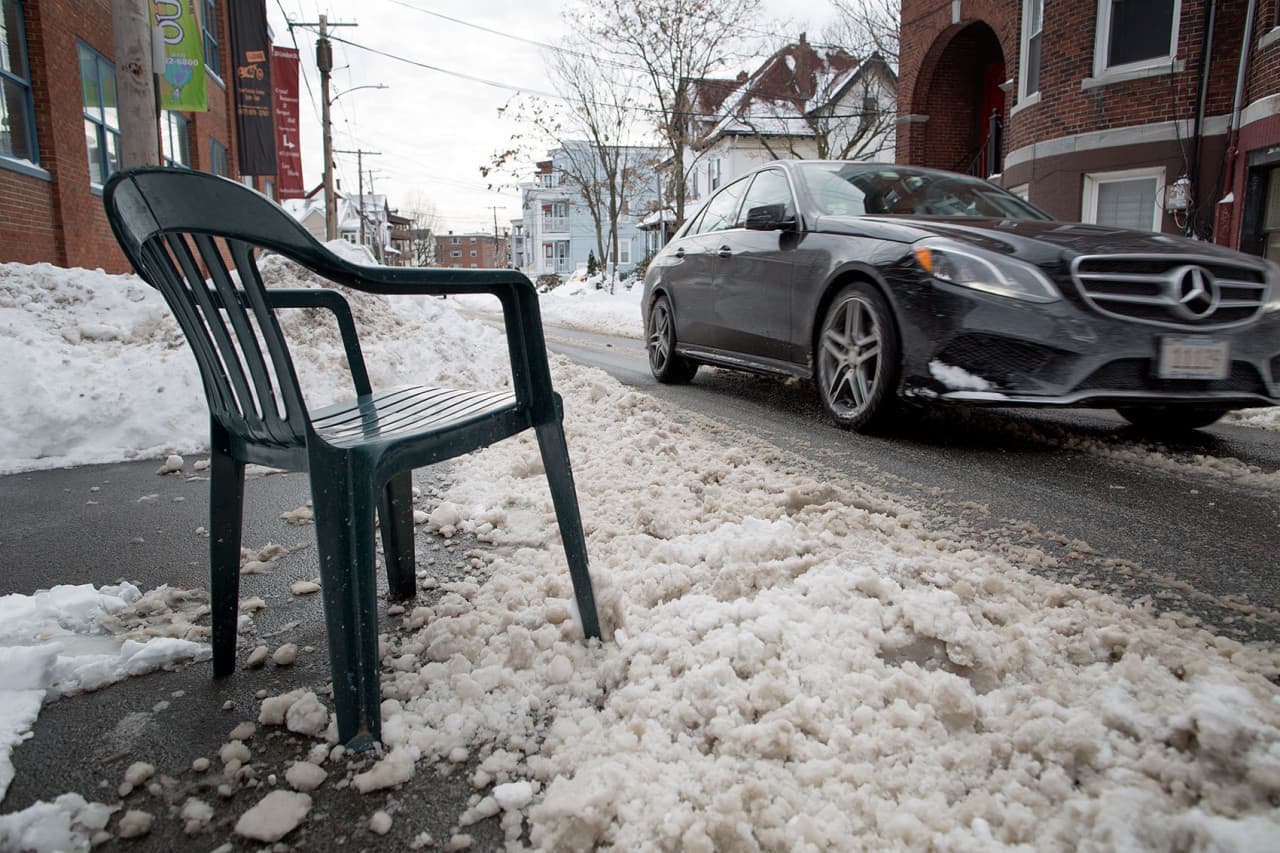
[[558, 232]]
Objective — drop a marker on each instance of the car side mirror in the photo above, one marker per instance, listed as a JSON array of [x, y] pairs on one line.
[[769, 217]]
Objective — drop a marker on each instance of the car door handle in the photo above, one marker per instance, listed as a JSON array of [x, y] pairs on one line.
[[680, 252], [724, 252]]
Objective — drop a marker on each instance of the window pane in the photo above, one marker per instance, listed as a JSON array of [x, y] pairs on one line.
[[94, 144], [1033, 64], [1035, 15], [89, 83], [110, 113], [722, 209], [769, 187], [11, 39], [1127, 204], [113, 150], [15, 122], [217, 158], [1140, 29], [1271, 217], [209, 18]]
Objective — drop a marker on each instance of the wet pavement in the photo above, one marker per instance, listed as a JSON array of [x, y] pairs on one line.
[[106, 523]]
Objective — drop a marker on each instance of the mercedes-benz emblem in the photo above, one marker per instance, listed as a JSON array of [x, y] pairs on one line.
[[1195, 291]]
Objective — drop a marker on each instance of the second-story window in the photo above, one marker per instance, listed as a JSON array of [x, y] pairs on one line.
[[713, 175], [218, 163], [17, 114], [212, 60], [101, 117], [1032, 25], [175, 142], [1136, 33]]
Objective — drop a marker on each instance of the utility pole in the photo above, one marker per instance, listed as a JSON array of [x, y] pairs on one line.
[[359, 152], [324, 62], [497, 256], [135, 83]]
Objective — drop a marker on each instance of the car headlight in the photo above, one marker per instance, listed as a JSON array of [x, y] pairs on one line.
[[986, 271]]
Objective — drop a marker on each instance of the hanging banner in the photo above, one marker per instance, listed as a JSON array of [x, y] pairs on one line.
[[179, 55], [250, 56], [284, 84]]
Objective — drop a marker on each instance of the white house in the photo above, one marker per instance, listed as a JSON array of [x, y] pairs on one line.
[[802, 102]]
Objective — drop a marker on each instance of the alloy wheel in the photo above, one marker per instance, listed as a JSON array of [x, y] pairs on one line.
[[850, 366]]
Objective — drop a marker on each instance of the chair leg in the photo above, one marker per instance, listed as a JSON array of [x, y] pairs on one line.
[[555, 459], [226, 508], [344, 508], [395, 509]]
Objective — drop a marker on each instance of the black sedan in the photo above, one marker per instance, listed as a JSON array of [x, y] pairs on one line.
[[886, 284]]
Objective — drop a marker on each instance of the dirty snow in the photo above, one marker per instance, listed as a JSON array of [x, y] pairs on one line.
[[790, 663]]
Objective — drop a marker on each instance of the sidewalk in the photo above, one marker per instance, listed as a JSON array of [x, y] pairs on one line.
[[101, 524]]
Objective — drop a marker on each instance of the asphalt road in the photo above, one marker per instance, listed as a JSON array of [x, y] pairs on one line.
[[1118, 510]]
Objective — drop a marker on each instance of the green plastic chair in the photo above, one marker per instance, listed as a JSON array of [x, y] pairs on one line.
[[185, 232]]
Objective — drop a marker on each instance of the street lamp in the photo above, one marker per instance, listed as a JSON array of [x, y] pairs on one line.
[[330, 204]]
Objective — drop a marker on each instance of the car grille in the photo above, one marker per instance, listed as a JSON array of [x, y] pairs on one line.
[[1134, 374], [1183, 291]]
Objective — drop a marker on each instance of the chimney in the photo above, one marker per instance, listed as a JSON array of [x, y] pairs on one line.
[[802, 39], [742, 76]]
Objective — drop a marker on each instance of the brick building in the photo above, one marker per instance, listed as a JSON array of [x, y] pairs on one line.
[[1112, 112], [59, 135], [472, 251]]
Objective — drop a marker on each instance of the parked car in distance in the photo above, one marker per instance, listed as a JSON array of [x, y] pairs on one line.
[[884, 284]]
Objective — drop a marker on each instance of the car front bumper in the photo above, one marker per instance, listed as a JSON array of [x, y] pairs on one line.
[[982, 349]]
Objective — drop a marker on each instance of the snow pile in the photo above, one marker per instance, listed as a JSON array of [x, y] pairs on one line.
[[71, 639], [102, 372], [1266, 418], [580, 304], [801, 663]]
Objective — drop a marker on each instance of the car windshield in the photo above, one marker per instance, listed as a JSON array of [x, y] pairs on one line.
[[857, 189]]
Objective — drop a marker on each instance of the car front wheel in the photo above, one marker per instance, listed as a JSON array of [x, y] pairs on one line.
[[667, 366], [1172, 418], [858, 359]]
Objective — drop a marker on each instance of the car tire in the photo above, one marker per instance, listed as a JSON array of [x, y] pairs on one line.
[[858, 358], [1172, 418], [667, 366]]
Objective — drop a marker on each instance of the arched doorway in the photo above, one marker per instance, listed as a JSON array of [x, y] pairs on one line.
[[959, 91]]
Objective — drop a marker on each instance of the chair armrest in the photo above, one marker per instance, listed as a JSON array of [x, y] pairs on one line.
[[531, 376], [334, 302]]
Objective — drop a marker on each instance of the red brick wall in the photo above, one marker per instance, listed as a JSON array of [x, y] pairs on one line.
[[61, 220], [487, 251]]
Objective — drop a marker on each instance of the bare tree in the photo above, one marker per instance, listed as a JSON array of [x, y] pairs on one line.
[[425, 222], [673, 43], [867, 27], [591, 126]]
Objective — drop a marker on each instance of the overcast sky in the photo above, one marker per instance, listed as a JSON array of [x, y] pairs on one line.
[[436, 128]]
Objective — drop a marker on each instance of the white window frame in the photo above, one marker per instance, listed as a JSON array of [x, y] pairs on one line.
[[1131, 70], [1026, 98], [1093, 180]]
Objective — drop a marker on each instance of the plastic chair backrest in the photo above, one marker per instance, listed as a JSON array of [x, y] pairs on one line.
[[193, 237]]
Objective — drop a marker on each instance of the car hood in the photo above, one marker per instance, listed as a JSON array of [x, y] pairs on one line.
[[1035, 240]]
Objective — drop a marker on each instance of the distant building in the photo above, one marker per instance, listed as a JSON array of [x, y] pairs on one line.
[[1162, 115], [60, 135], [558, 233], [473, 250]]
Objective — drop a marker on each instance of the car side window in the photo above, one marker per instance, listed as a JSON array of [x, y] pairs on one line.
[[722, 211], [769, 187], [696, 224]]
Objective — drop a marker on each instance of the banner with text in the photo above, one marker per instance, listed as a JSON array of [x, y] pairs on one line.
[[179, 59], [250, 54], [284, 83]]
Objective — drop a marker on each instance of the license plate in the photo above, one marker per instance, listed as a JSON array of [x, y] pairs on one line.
[[1193, 358]]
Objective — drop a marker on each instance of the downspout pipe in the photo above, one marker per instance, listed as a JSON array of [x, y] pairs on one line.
[[1233, 135]]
